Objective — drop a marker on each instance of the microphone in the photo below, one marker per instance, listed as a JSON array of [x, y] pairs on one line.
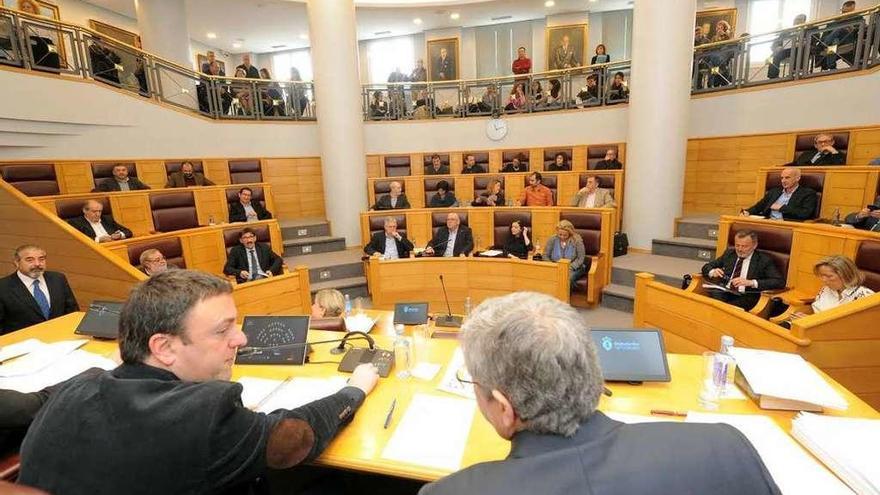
[[253, 351], [447, 320]]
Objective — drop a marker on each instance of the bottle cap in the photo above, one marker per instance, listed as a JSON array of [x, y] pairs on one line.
[[726, 340]]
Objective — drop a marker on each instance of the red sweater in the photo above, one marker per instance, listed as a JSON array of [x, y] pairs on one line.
[[522, 66]]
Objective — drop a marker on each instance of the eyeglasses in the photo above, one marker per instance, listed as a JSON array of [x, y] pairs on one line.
[[155, 260], [461, 375]]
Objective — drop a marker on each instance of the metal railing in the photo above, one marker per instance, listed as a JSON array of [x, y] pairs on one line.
[[41, 44]]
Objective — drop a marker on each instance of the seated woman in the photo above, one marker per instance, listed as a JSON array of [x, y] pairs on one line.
[[329, 303], [568, 244], [443, 198], [518, 245], [516, 101], [493, 196], [841, 283]]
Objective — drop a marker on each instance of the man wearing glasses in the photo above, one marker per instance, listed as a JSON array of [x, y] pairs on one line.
[[825, 153], [537, 381], [153, 262]]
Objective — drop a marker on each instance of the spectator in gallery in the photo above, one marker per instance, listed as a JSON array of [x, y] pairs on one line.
[[824, 154], [394, 200], [436, 167], [272, 96], [470, 165], [246, 210], [470, 103], [423, 105], [396, 76], [378, 106], [554, 98], [104, 61], [610, 162], [205, 89], [206, 67], [517, 98], [781, 49], [443, 198], [187, 177], [419, 73], [249, 70], [842, 35], [536, 91], [493, 196], [600, 57], [489, 101], [522, 64], [241, 103], [515, 165], [868, 218], [619, 91], [298, 100], [589, 94], [121, 181], [560, 163], [140, 76]]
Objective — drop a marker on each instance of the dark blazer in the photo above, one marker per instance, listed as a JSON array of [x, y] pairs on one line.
[[237, 213], [508, 167], [384, 202], [377, 245], [867, 223], [476, 169], [176, 180], [464, 241], [826, 158], [112, 186], [251, 71], [607, 457], [801, 206], [110, 225], [761, 268], [429, 170], [236, 260], [608, 165], [17, 411], [553, 167], [18, 308], [444, 202]]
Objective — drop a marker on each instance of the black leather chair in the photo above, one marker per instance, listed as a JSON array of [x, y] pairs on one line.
[[72, 208]]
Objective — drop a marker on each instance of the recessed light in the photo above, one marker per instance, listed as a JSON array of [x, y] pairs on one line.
[[303, 36], [211, 36], [454, 16], [549, 3], [417, 21], [236, 45]]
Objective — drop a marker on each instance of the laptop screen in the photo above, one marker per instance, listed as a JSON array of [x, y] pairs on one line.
[[411, 313], [269, 331], [631, 355]]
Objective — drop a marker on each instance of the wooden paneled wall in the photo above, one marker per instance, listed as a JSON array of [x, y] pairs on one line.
[[298, 186]]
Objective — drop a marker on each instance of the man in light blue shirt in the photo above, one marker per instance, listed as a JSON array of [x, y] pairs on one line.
[[389, 244], [789, 201]]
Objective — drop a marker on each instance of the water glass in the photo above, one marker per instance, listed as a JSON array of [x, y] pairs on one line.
[[713, 380], [420, 344], [403, 358]]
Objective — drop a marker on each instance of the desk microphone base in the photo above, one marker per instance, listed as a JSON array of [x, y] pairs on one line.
[[447, 321]]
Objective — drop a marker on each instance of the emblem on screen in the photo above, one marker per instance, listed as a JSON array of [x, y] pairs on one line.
[[607, 343]]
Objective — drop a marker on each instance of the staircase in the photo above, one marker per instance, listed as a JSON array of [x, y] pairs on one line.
[[331, 266]]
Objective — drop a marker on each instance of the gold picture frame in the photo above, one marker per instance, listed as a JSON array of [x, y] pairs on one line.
[[575, 55], [202, 59], [116, 33], [708, 19], [447, 70]]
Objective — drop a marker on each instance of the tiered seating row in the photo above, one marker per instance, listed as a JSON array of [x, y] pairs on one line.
[[841, 190]]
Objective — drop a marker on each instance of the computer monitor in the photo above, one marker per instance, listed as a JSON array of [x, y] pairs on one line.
[[413, 313], [101, 321], [271, 331], [631, 355]]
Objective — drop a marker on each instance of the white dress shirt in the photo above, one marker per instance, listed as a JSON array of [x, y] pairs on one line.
[[29, 283], [590, 200], [390, 248], [450, 244], [744, 273], [99, 229]]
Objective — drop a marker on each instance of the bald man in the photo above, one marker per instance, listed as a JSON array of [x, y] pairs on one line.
[[824, 154], [791, 201], [95, 225]]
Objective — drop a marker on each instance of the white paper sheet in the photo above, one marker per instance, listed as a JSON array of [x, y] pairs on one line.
[[425, 371], [433, 432], [450, 383], [61, 369], [793, 469], [19, 349], [40, 358], [290, 395]]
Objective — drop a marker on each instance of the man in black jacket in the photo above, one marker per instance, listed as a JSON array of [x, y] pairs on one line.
[[251, 260], [744, 271], [33, 295], [246, 210], [178, 339], [436, 167], [391, 244], [825, 154], [101, 228], [394, 200], [17, 411], [470, 165], [610, 162], [120, 181], [866, 218], [453, 240], [789, 202]]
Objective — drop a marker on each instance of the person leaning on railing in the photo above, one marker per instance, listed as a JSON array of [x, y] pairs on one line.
[[782, 49], [272, 96], [838, 40]]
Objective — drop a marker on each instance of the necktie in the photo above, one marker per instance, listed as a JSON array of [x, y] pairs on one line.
[[255, 265], [42, 302], [738, 267]]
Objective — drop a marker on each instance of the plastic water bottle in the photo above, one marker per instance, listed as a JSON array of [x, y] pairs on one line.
[[467, 308], [347, 306], [729, 362], [403, 356]]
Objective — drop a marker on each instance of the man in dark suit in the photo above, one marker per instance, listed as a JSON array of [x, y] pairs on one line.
[[453, 240], [743, 270], [390, 244], [394, 200], [610, 162], [789, 202], [187, 177], [246, 210], [866, 218], [436, 167], [537, 381], [32, 295], [251, 71], [101, 228], [825, 154], [251, 260], [120, 182], [470, 166]]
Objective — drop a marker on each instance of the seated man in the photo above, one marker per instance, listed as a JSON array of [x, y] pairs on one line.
[[470, 165], [121, 181], [153, 262], [593, 196], [443, 198], [187, 177], [436, 167], [537, 381], [789, 202], [453, 240], [101, 228], [178, 339], [867, 218], [394, 200], [559, 164], [536, 194], [33, 295], [825, 153], [246, 210], [516, 165], [610, 162], [390, 244], [744, 270], [251, 260]]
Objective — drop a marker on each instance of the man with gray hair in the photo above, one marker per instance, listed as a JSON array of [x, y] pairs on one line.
[[31, 294], [537, 380], [824, 154], [789, 201], [391, 244]]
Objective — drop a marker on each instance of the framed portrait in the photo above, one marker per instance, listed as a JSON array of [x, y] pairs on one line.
[[566, 46], [443, 61], [203, 59], [116, 33], [708, 21]]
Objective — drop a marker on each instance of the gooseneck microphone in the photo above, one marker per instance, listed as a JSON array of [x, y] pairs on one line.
[[447, 320]]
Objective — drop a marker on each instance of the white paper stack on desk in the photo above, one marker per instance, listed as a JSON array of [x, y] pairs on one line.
[[44, 364], [267, 395]]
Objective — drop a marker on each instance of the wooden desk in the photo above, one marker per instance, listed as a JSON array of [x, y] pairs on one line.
[[359, 446]]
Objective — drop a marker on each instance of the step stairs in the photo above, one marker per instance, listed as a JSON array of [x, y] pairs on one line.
[[331, 265], [620, 293]]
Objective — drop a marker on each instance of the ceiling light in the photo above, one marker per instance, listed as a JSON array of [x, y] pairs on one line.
[[211, 36], [417, 20], [236, 45], [303, 36], [549, 3], [454, 16]]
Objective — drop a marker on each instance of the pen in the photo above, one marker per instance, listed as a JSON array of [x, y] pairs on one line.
[[664, 412], [607, 391], [390, 414]]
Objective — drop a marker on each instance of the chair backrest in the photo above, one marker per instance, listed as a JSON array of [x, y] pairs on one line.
[[503, 221], [174, 211], [481, 158], [174, 166], [397, 166], [868, 262], [431, 187], [377, 223], [439, 220], [774, 241], [596, 153], [550, 156], [549, 180], [258, 195], [606, 181], [246, 171], [72, 208], [384, 186], [231, 236], [509, 155], [589, 227], [813, 180], [170, 247], [104, 170], [482, 183], [35, 179], [806, 142]]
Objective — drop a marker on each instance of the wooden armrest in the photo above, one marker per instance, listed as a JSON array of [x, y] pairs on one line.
[[789, 313], [696, 285]]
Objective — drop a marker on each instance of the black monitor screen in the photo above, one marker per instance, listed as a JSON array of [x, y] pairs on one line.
[[411, 313], [274, 331], [631, 355]]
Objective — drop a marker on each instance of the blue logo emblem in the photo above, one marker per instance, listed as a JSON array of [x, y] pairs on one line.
[[607, 343]]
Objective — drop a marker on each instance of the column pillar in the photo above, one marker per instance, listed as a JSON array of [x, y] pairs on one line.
[[659, 105], [162, 26], [334, 48]]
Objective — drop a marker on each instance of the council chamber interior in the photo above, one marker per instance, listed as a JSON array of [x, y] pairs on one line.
[[335, 164]]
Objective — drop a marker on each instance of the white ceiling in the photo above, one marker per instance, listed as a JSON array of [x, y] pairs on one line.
[[264, 25]]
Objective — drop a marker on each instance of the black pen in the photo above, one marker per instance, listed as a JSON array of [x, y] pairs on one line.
[[606, 391], [390, 414]]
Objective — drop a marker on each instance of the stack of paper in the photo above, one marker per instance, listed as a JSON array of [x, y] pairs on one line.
[[265, 395], [46, 367], [848, 446], [785, 381], [793, 469], [39, 356]]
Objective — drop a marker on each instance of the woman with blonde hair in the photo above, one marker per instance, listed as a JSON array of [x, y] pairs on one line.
[[567, 243], [329, 303], [841, 283]]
